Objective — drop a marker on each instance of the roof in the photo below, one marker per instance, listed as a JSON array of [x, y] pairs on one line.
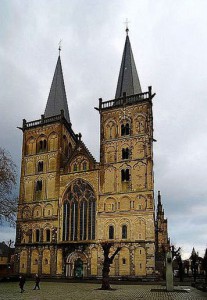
[[57, 99], [128, 80], [81, 149]]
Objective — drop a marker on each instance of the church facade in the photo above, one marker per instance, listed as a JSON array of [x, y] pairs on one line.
[[70, 204]]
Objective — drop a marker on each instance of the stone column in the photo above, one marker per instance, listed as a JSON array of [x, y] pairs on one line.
[[169, 272]]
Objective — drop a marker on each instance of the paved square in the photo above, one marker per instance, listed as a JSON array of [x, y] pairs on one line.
[[89, 291]]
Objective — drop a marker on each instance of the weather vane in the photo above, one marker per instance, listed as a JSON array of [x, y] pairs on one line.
[[127, 23], [60, 46]]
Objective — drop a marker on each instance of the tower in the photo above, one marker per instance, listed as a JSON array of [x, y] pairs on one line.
[[47, 144], [126, 175], [162, 241], [69, 203]]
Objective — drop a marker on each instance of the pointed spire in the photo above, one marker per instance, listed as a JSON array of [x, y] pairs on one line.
[[159, 197], [57, 100], [128, 81], [159, 204]]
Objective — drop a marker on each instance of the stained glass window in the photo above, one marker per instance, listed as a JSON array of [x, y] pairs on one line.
[[79, 212], [66, 216]]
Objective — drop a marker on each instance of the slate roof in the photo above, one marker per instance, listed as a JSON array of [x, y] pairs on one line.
[[128, 80], [57, 99]]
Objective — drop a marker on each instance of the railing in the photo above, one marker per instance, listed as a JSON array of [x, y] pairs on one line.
[[42, 121], [125, 100]]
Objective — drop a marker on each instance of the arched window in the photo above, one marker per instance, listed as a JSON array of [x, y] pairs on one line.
[[47, 235], [75, 168], [39, 185], [42, 145], [79, 212], [66, 217], [111, 232], [37, 235], [122, 129], [125, 129], [124, 232], [74, 221], [84, 166], [91, 220], [40, 166], [125, 153], [125, 175], [83, 220]]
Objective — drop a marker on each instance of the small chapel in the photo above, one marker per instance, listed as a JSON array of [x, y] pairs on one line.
[[70, 204]]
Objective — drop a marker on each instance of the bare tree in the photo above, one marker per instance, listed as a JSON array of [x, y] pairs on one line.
[[8, 202], [106, 264], [194, 264], [204, 265]]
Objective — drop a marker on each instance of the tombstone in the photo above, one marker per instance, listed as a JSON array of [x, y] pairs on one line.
[[169, 272]]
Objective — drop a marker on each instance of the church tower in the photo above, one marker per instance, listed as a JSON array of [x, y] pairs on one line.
[[126, 214], [69, 204], [162, 241], [47, 144]]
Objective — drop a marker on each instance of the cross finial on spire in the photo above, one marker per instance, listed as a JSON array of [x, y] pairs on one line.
[[126, 23], [60, 46]]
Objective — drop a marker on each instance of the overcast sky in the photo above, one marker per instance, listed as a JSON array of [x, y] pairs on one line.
[[169, 42]]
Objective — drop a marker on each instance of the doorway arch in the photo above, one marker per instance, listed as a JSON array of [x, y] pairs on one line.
[[76, 265], [78, 268]]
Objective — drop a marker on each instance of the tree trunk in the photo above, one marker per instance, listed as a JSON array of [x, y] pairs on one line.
[[106, 265]]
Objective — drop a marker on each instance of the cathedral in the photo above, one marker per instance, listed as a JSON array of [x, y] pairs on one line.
[[70, 204]]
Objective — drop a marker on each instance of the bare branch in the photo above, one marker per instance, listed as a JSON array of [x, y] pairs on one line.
[[8, 202]]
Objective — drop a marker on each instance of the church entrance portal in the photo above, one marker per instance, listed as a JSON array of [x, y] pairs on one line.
[[76, 265], [78, 268]]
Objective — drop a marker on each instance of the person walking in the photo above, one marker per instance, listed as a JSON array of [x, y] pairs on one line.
[[37, 282], [21, 283]]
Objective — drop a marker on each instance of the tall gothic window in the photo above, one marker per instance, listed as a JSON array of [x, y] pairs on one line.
[[66, 217], [79, 212], [84, 166], [83, 220], [40, 166], [125, 129], [74, 221], [124, 232], [48, 235], [111, 232], [91, 220], [42, 145], [37, 235], [125, 153], [38, 186], [125, 175]]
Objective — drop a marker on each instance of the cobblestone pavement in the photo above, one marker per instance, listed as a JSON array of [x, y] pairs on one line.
[[89, 291]]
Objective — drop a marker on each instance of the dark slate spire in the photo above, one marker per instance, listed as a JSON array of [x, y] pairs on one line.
[[128, 81], [57, 99]]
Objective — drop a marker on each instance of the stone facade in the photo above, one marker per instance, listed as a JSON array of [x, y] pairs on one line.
[[69, 204]]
